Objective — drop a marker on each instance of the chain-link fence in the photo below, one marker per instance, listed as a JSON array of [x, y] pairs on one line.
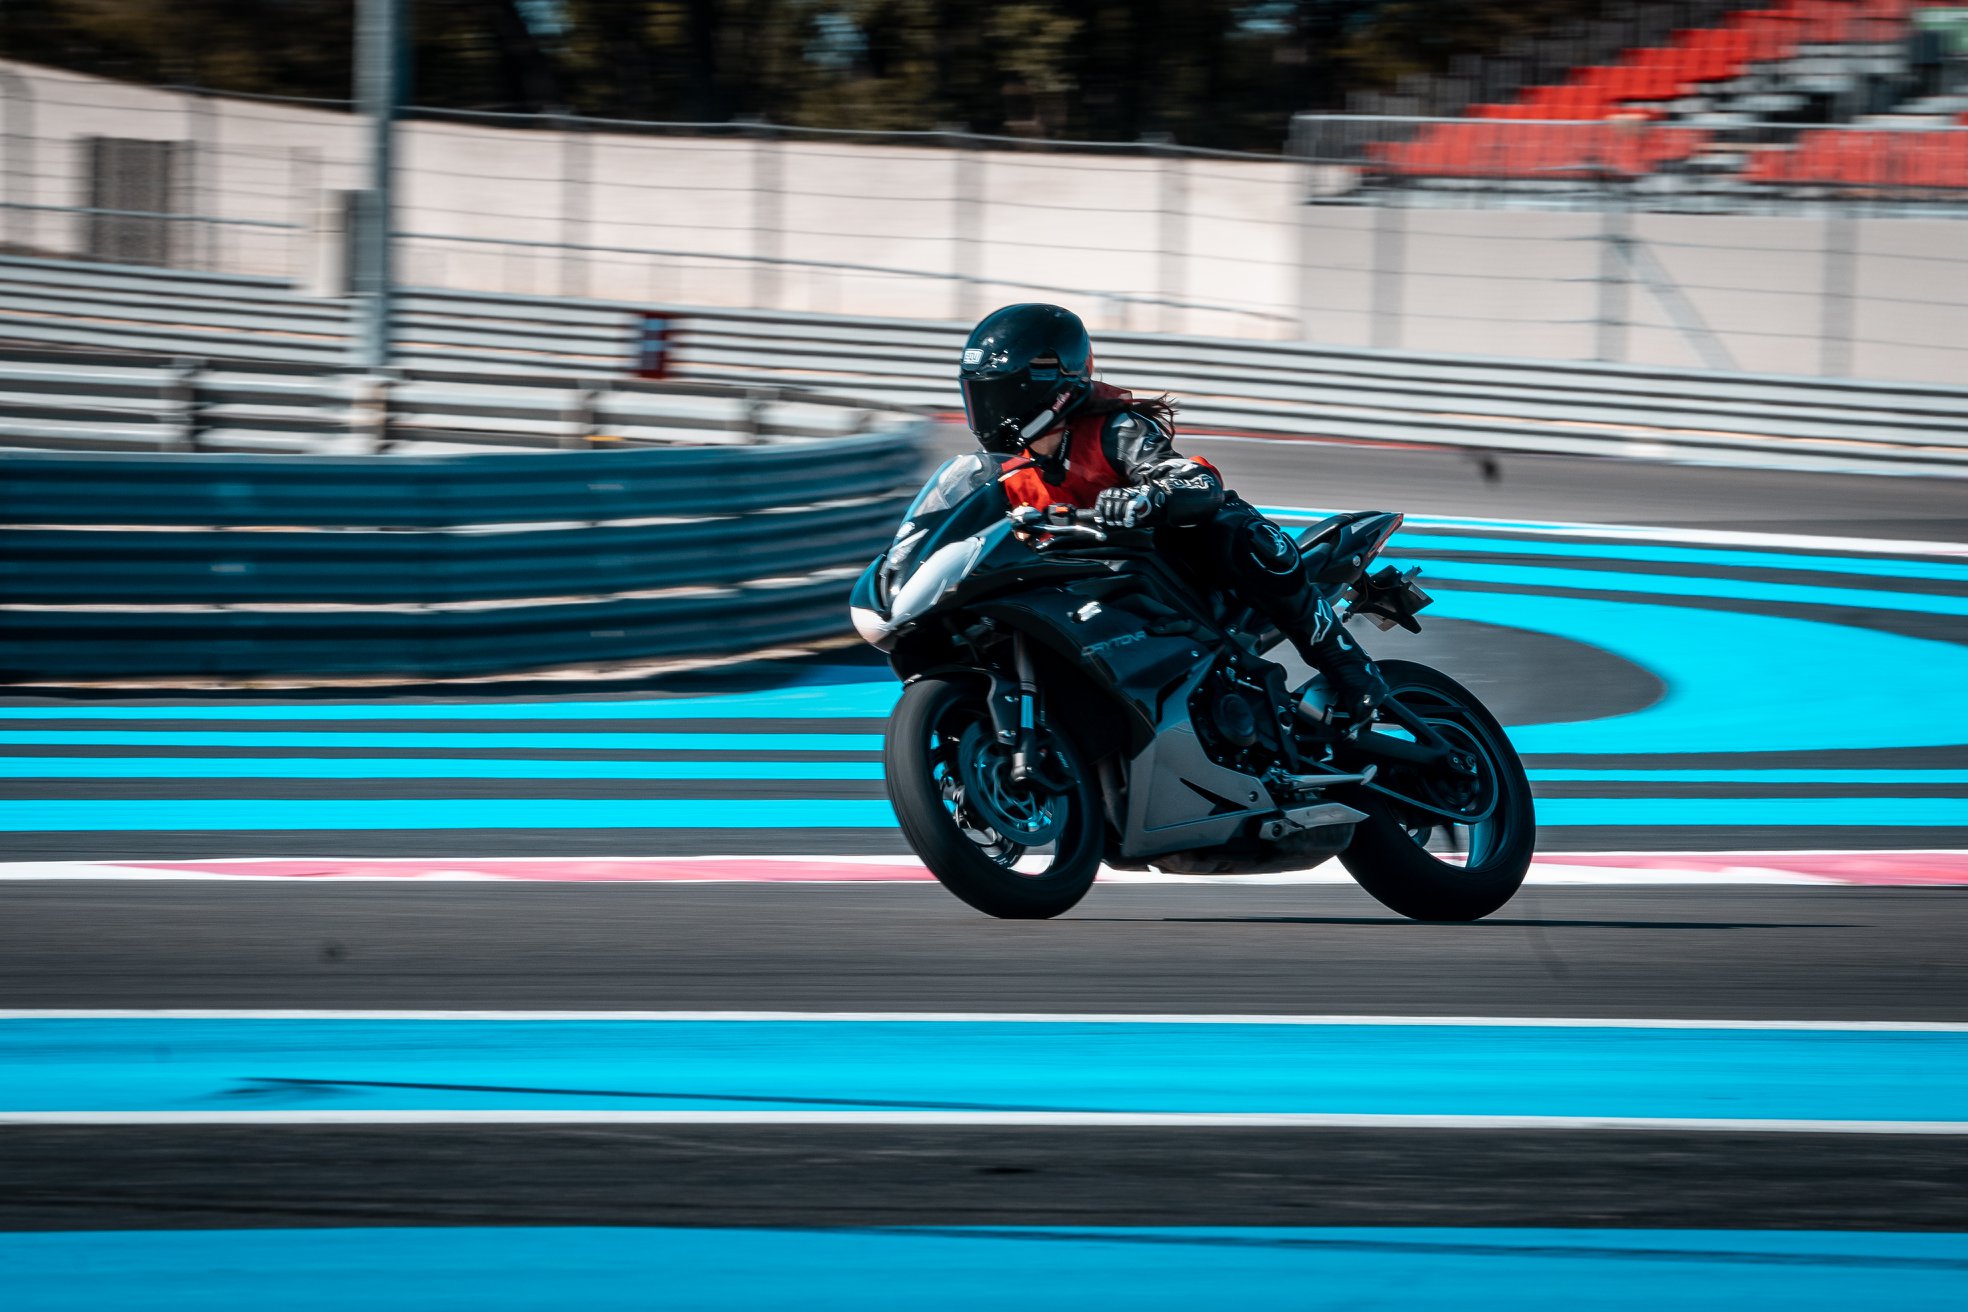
[[1752, 247]]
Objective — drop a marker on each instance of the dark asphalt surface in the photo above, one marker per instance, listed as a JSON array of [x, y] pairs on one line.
[[1672, 952], [1573, 488], [1792, 953], [1662, 952], [146, 1177]]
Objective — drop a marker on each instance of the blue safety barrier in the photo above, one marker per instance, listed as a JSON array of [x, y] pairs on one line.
[[116, 564]]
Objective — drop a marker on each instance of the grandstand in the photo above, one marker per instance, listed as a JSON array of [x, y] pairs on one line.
[[1747, 98]]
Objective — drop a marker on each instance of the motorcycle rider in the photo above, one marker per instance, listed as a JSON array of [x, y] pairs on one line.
[[1030, 396]]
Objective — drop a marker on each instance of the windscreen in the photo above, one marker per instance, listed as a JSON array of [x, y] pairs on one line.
[[957, 479], [948, 488]]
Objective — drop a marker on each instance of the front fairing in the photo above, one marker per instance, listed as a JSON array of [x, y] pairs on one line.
[[962, 498], [953, 546]]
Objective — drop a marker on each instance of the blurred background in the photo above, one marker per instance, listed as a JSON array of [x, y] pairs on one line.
[[437, 440], [1693, 231]]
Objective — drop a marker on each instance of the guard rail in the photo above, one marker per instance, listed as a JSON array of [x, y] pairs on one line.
[[1275, 389], [121, 565]]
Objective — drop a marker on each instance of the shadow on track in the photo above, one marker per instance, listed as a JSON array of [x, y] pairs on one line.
[[1492, 922]]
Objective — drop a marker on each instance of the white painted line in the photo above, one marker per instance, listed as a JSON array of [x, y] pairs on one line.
[[1715, 537], [1590, 869], [1162, 1120], [982, 1017]]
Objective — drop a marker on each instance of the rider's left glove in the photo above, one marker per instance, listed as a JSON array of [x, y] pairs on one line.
[[1127, 507]]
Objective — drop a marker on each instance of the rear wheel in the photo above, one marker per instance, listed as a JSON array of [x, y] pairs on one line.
[[1016, 852], [1462, 865]]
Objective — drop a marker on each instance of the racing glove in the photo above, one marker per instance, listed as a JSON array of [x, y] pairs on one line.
[[1128, 507]]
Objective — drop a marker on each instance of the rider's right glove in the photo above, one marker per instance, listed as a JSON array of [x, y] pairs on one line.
[[1127, 507]]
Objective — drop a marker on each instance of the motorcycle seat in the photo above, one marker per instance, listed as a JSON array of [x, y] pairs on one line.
[[1326, 529], [1329, 545]]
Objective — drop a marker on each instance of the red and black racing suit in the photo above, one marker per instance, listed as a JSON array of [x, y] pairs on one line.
[[1211, 532]]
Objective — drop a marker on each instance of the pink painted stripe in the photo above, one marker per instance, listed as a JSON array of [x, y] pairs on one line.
[[750, 870], [1883, 868], [1915, 868]]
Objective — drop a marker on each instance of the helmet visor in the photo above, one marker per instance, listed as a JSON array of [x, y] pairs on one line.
[[999, 408]]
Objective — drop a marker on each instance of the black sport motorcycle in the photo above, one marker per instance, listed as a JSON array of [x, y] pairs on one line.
[[1073, 698]]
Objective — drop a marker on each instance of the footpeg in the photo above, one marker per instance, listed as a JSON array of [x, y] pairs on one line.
[[1312, 783], [1319, 815]]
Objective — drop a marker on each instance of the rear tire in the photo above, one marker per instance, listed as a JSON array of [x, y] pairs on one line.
[[926, 789], [1387, 855]]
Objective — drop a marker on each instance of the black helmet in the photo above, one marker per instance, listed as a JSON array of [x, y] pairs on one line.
[[1023, 368]]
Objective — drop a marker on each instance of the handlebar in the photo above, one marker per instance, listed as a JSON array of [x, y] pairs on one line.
[[1059, 521]]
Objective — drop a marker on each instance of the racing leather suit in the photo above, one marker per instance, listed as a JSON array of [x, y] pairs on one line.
[[1206, 529]]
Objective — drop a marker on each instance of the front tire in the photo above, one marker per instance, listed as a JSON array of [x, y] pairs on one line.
[[1389, 855], [934, 724]]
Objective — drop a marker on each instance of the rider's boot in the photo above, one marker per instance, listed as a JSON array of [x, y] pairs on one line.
[[1357, 686]]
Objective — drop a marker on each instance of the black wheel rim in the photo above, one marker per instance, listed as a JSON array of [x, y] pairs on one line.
[[972, 779], [1489, 795]]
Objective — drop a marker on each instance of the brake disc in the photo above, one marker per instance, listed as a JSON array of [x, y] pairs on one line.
[[1024, 816]]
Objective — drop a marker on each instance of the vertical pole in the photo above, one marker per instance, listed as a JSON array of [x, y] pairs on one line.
[[304, 205], [1611, 333], [1174, 236], [18, 162], [1306, 251], [767, 208], [1389, 272], [199, 236], [378, 91], [574, 174], [1835, 294], [966, 226]]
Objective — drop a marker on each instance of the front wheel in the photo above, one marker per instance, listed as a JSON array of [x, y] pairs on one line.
[[1011, 851], [1419, 862]]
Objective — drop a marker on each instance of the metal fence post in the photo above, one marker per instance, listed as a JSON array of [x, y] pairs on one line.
[[201, 147], [1836, 293], [1174, 231], [767, 208], [379, 78], [578, 415], [18, 165], [1389, 272], [1614, 222], [1306, 229], [181, 394], [370, 410], [966, 225], [574, 206]]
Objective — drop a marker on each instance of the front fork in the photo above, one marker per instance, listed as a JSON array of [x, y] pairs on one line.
[[1015, 719]]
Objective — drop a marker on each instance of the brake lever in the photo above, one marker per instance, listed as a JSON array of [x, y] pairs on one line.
[[1034, 520]]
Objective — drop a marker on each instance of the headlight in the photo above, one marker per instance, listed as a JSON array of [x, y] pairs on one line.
[[933, 578], [868, 624]]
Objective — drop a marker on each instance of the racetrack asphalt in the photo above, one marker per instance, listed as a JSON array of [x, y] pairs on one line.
[[1536, 646]]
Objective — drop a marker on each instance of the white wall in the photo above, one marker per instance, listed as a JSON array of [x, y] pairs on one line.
[[1249, 259]]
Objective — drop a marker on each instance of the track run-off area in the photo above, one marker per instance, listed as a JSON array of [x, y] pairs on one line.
[[625, 992]]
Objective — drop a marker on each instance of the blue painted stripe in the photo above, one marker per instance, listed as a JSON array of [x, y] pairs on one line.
[[626, 742], [1736, 682], [74, 815], [163, 1064], [978, 1269], [843, 700], [1424, 544], [1431, 536], [1779, 776], [65, 815], [414, 767], [1680, 585], [444, 767]]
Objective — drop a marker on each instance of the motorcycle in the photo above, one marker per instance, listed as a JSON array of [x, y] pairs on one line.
[[1072, 698]]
